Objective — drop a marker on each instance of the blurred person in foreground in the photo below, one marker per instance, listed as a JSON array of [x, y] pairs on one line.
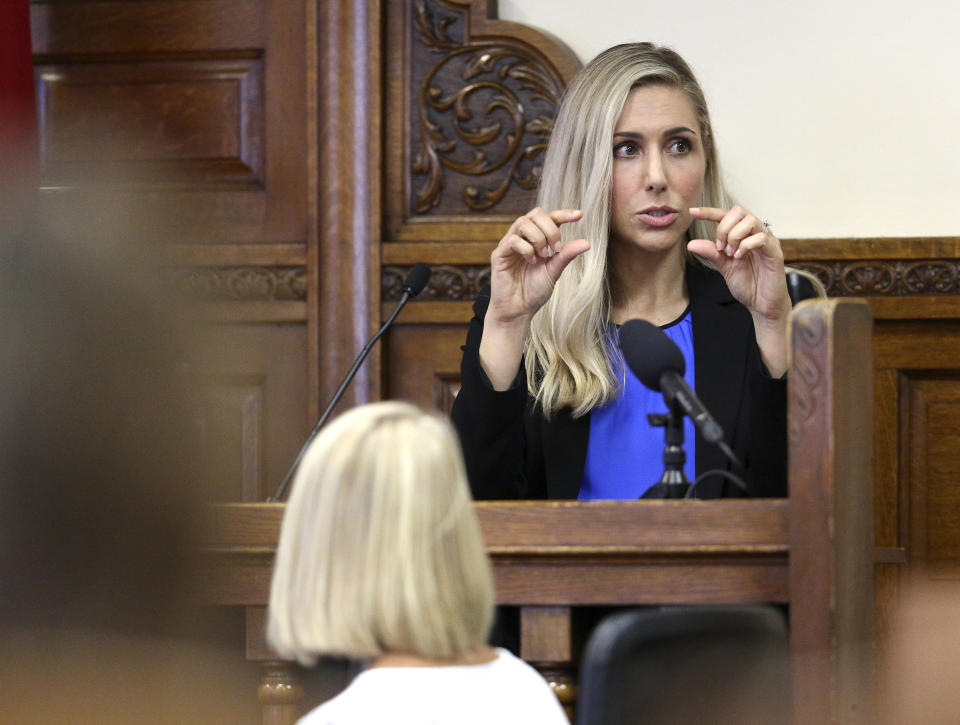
[[99, 493], [920, 661], [381, 560]]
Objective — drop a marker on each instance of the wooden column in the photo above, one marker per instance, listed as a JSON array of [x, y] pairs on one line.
[[280, 693], [831, 522], [344, 182], [547, 643]]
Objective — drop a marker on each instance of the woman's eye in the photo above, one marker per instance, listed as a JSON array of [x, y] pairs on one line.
[[625, 149], [681, 146]]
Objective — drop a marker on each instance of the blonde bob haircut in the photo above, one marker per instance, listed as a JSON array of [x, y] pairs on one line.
[[566, 353], [380, 550]]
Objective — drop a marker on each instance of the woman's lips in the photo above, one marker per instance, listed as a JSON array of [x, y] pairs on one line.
[[658, 217]]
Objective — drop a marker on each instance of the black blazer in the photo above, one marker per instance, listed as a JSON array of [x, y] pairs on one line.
[[512, 452]]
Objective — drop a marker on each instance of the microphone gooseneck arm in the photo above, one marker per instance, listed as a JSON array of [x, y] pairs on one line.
[[676, 389], [415, 282]]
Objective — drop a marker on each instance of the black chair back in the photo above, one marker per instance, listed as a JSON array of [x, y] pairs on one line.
[[799, 287], [690, 665]]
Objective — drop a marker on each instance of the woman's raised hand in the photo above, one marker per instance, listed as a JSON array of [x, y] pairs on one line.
[[524, 268], [749, 257], [527, 263]]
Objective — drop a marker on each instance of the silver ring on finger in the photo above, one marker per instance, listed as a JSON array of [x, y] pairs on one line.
[[766, 227]]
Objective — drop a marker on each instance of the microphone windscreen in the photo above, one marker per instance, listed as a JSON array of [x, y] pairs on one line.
[[649, 353], [417, 279]]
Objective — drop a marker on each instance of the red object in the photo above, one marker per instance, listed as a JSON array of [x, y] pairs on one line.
[[18, 108]]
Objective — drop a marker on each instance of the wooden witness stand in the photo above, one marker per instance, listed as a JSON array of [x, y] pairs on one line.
[[813, 551]]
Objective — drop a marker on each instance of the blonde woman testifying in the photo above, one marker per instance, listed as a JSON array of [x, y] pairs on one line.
[[633, 221]]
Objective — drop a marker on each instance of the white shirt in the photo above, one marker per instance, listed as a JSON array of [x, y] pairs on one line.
[[504, 691]]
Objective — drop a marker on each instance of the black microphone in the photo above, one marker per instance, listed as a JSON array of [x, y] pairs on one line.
[[658, 363], [416, 280]]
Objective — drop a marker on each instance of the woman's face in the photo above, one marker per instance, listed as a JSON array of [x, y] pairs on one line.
[[658, 168]]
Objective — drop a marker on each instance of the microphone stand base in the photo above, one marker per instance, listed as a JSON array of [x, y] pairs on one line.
[[667, 490]]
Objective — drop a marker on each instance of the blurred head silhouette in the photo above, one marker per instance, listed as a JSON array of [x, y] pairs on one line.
[[95, 444], [98, 485], [380, 550]]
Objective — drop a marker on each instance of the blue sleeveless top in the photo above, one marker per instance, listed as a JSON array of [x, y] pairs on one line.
[[624, 452]]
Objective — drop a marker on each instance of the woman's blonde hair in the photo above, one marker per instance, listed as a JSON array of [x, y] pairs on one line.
[[380, 550], [566, 352]]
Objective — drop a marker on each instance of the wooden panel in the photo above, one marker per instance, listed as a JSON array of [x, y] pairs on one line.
[[254, 413], [234, 254], [195, 113], [932, 495], [145, 26], [171, 94], [887, 464], [915, 360], [586, 582], [914, 345], [665, 551], [241, 120], [433, 312], [410, 253], [887, 600], [191, 122], [884, 248], [886, 458], [424, 364], [692, 527], [233, 454], [551, 634]]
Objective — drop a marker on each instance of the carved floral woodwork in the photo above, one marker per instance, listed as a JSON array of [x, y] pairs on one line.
[[447, 283], [809, 375], [880, 277], [861, 278], [239, 283], [480, 119]]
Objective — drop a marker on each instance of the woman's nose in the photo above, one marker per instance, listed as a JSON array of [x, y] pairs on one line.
[[655, 179]]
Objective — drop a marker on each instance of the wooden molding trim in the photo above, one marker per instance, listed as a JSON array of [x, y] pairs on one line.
[[476, 249], [872, 278], [447, 283], [886, 277], [238, 283], [863, 248], [253, 312], [227, 255]]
